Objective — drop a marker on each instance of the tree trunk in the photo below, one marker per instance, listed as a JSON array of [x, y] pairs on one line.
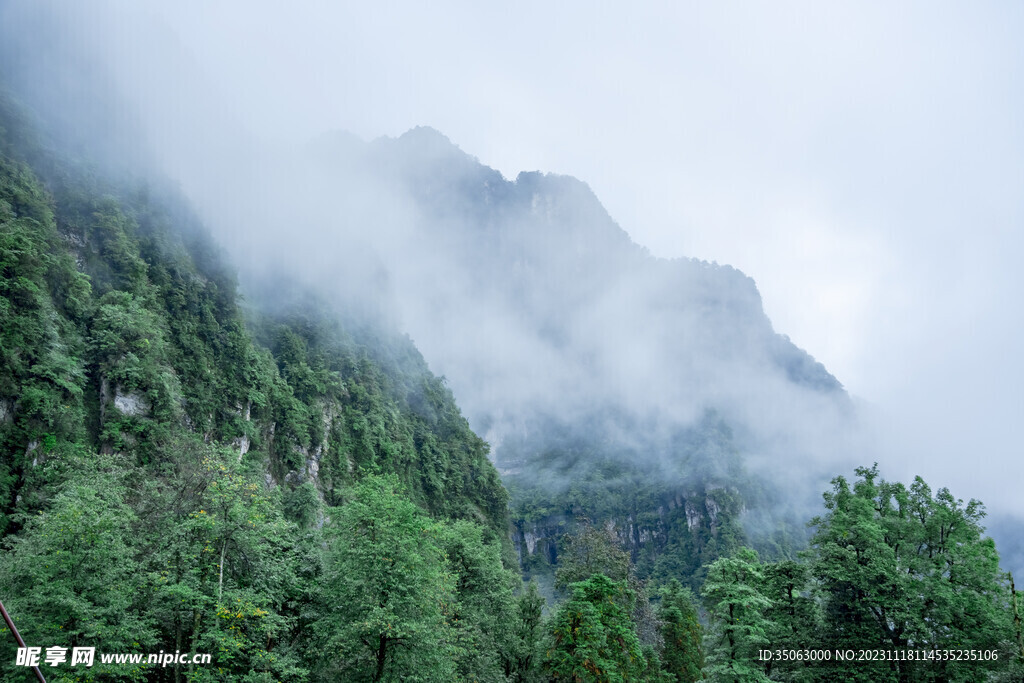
[[220, 580], [381, 658]]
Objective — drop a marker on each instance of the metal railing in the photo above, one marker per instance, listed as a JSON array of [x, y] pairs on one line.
[[17, 637]]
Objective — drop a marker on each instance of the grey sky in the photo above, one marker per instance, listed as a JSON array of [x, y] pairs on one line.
[[863, 162]]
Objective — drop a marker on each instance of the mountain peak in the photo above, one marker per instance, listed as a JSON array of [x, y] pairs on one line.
[[428, 133], [428, 141]]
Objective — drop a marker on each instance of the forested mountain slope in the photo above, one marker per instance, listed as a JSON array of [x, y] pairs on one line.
[[175, 462]]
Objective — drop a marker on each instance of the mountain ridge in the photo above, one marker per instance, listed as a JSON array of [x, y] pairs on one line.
[[651, 396]]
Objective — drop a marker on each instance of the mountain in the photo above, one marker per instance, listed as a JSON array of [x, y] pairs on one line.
[[277, 486], [591, 367]]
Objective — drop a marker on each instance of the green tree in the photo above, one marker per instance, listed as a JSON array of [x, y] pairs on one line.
[[529, 632], [734, 595], [483, 607], [221, 565], [387, 594], [42, 374], [71, 577], [591, 550], [900, 567], [592, 638], [682, 654], [794, 618], [1013, 672]]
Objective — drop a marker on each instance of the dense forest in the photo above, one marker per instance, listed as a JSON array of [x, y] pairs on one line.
[[284, 485]]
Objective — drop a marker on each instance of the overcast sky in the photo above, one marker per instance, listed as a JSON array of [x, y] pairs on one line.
[[863, 162]]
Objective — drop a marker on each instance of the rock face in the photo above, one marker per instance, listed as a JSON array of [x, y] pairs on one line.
[[131, 403], [691, 520], [128, 403], [538, 540], [311, 457], [243, 442]]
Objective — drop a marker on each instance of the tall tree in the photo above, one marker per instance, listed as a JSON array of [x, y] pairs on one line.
[[592, 638], [221, 566], [793, 618], [387, 593], [529, 631], [483, 609], [683, 653], [592, 550], [736, 604], [900, 567]]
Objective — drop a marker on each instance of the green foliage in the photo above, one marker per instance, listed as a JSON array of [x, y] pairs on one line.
[[902, 567], [682, 655], [683, 509], [794, 618], [891, 568], [41, 372], [733, 594], [590, 551], [592, 637], [368, 409], [387, 595], [221, 564], [71, 576], [483, 607], [529, 632], [167, 461], [301, 504]]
